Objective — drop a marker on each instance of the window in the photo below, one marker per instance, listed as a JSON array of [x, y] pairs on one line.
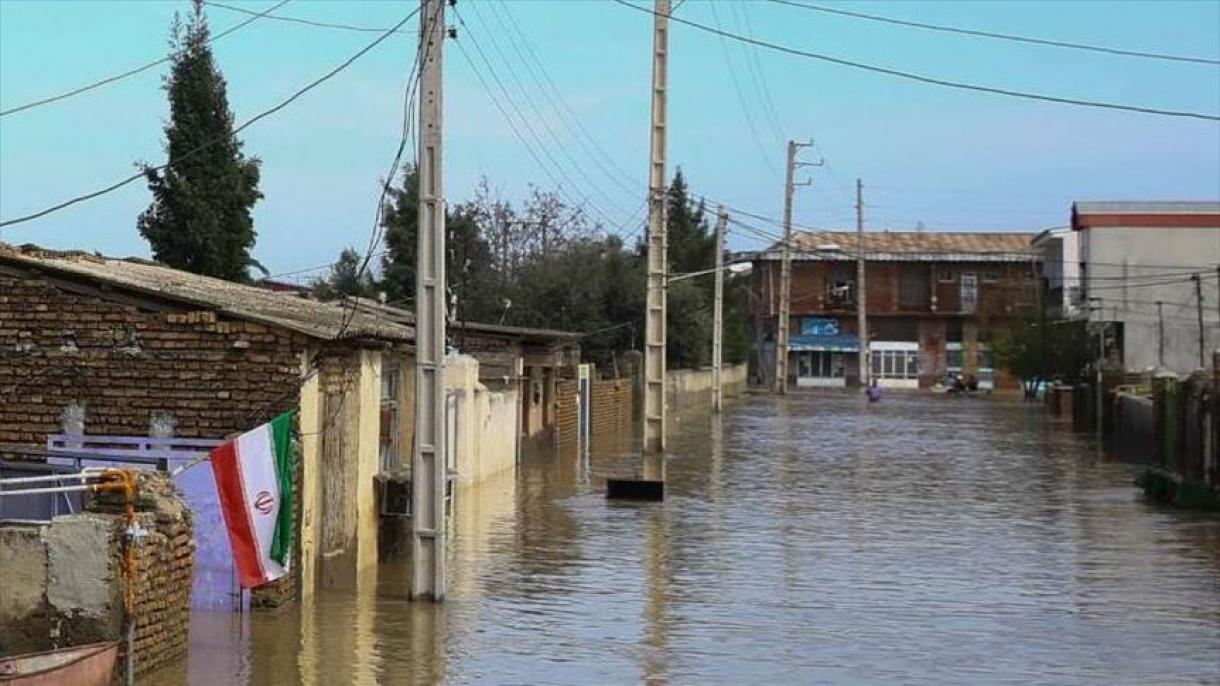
[[946, 276], [953, 357], [991, 277], [913, 288], [970, 293], [985, 358], [895, 364]]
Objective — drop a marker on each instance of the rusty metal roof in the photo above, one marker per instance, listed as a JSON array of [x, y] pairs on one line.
[[288, 311], [909, 245]]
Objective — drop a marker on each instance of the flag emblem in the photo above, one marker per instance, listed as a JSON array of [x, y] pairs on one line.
[[253, 475]]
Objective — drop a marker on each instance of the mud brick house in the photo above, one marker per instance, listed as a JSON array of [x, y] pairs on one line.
[[101, 347], [935, 301]]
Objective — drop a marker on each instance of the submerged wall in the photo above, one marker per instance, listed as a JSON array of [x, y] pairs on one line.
[[686, 388]]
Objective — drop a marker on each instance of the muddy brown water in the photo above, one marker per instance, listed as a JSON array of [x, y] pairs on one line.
[[813, 539]]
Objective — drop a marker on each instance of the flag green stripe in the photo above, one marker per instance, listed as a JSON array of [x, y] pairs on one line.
[[281, 439]]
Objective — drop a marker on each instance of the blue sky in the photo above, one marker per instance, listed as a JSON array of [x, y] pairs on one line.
[[946, 158]]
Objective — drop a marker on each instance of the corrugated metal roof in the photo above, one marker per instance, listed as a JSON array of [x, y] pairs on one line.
[[1146, 207], [906, 245], [309, 317]]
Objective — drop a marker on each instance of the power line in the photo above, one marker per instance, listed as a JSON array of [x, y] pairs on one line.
[[1001, 36], [741, 19], [524, 121], [960, 85], [572, 121], [307, 22], [262, 115], [741, 101], [542, 120], [132, 72]]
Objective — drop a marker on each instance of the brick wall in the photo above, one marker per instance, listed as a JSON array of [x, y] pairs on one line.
[[210, 373], [566, 419], [611, 405]]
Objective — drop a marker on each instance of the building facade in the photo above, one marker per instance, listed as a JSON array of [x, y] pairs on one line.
[[1058, 254], [934, 304], [1150, 275]]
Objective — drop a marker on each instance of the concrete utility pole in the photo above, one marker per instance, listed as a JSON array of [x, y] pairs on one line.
[[861, 291], [654, 325], [428, 457], [722, 218], [785, 274], [1160, 332], [1199, 310]]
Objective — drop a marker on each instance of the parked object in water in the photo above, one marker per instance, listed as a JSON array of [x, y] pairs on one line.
[[87, 665], [635, 489]]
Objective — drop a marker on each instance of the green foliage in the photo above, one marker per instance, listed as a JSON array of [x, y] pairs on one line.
[[546, 266], [199, 219], [469, 270], [346, 278], [1037, 349]]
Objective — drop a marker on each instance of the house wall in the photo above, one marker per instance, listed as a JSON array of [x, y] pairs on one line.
[[686, 388], [209, 373], [486, 421], [349, 457], [1120, 262]]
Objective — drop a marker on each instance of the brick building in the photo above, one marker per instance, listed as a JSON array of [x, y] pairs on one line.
[[99, 347], [935, 301]]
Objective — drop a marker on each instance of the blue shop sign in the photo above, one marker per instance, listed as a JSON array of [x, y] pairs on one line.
[[819, 326]]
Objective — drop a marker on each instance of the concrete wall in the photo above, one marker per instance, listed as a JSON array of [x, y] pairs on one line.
[[343, 518], [1135, 257], [487, 423], [61, 583], [693, 387]]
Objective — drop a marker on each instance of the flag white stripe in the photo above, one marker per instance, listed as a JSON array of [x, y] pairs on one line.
[[256, 460]]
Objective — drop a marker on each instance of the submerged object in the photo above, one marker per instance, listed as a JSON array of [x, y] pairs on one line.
[[635, 489], [87, 665]]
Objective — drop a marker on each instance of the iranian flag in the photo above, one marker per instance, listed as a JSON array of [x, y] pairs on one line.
[[254, 485]]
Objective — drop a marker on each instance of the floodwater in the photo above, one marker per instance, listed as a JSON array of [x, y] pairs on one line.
[[814, 539]]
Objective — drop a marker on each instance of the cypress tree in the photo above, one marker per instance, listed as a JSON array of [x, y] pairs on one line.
[[199, 219]]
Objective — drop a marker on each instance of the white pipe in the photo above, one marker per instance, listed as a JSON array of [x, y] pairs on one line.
[[87, 474], [57, 489]]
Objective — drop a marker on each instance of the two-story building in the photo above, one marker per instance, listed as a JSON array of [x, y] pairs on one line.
[[1150, 275], [935, 302]]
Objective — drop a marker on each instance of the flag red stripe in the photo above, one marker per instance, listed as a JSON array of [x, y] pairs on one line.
[[227, 471]]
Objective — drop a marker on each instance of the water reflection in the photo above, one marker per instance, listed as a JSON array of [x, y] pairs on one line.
[[814, 538]]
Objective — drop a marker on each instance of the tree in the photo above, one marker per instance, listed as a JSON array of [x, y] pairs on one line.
[[469, 268], [199, 219], [1038, 349], [346, 278], [691, 248]]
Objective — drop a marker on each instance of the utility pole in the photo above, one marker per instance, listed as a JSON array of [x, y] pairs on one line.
[[654, 324], [1199, 310], [1099, 394], [722, 218], [861, 291], [428, 458], [1160, 332], [785, 274]]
